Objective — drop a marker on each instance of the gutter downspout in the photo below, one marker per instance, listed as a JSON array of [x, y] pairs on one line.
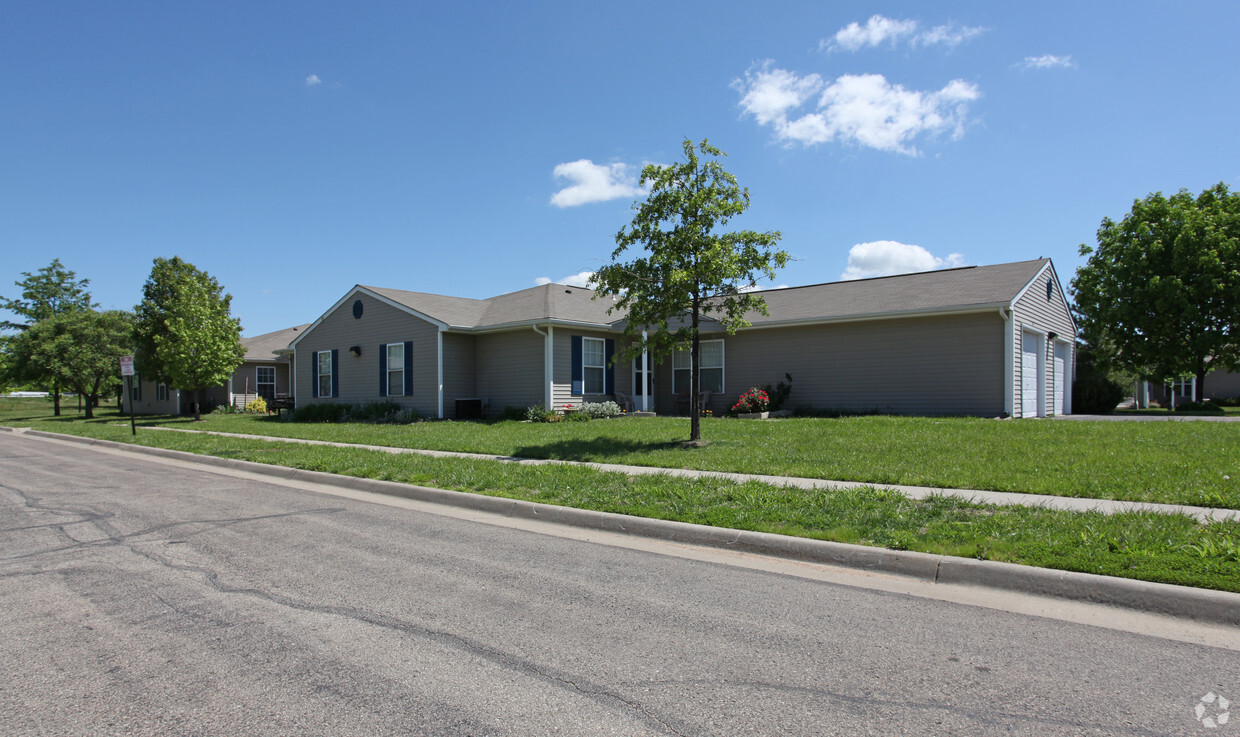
[[548, 363], [439, 350], [1009, 362]]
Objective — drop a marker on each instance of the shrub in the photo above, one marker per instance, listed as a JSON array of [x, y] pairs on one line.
[[600, 410], [539, 413], [779, 394], [1095, 394], [256, 406], [224, 409], [1226, 401], [321, 413], [1187, 406], [754, 400], [510, 414], [374, 412]]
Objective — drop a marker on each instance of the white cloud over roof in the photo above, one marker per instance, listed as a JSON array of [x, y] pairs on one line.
[[863, 109], [591, 182], [884, 258], [1047, 61], [580, 279], [313, 80], [880, 29]]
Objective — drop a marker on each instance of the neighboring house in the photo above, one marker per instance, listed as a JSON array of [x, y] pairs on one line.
[[983, 340], [263, 373], [1219, 385]]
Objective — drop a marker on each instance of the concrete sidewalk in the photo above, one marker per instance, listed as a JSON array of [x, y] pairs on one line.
[[1003, 498]]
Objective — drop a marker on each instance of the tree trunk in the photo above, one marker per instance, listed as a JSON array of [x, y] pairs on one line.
[[198, 394], [56, 398], [695, 409]]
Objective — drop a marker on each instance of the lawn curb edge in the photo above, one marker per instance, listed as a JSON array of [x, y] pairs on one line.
[[1179, 601]]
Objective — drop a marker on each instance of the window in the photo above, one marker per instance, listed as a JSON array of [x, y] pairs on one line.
[[1185, 388], [712, 368], [593, 365], [161, 392], [324, 359], [395, 369], [266, 382], [135, 391]]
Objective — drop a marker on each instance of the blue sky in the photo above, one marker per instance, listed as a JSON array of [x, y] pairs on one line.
[[293, 150]]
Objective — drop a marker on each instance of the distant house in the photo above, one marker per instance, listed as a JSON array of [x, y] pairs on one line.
[[984, 340], [1219, 384], [263, 373]]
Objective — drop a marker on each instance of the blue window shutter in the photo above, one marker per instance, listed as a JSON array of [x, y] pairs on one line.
[[609, 373], [576, 388], [335, 373], [314, 374], [382, 370], [408, 368]]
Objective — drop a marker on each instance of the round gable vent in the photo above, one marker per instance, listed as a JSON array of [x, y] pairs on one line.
[[357, 309]]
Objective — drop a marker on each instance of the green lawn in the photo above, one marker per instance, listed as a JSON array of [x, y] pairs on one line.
[[1153, 547], [1175, 462]]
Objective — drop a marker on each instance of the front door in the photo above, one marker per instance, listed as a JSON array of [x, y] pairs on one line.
[[638, 376]]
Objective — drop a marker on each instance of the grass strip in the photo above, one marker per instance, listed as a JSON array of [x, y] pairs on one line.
[[1140, 545], [1195, 463]]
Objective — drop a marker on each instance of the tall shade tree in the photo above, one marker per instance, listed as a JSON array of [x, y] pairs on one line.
[[689, 270], [49, 291], [184, 334], [1161, 292], [80, 348]]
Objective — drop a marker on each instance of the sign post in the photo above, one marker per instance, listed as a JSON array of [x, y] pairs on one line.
[[127, 372]]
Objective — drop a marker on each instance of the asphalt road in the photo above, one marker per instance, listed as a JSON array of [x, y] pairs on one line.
[[140, 596]]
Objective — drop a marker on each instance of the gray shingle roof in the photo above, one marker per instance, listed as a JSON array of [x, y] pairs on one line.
[[263, 347], [970, 287], [556, 302]]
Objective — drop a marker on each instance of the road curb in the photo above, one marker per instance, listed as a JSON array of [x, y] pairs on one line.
[[1159, 598]]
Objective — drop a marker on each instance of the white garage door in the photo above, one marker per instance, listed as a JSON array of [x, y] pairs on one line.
[[1029, 375], [1061, 379]]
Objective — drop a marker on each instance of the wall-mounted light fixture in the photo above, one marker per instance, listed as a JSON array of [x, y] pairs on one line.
[[1052, 336], [355, 350]]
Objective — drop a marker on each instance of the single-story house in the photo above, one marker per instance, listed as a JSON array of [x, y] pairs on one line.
[[1219, 384], [980, 340], [264, 373]]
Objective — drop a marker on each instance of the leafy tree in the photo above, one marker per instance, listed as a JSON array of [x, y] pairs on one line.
[[184, 334], [79, 348], [1160, 296], [689, 270], [50, 291]]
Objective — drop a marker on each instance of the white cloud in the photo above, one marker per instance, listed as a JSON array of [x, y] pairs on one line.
[[879, 29], [949, 35], [593, 182], [883, 258], [875, 31], [580, 279], [1047, 61], [313, 80], [864, 109]]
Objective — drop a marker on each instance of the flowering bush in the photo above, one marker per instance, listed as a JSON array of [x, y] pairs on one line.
[[599, 410], [754, 400], [256, 406]]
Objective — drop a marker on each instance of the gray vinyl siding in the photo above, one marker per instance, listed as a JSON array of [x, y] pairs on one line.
[[949, 365], [359, 375], [509, 369], [245, 377], [150, 405], [562, 373], [1221, 384], [458, 372], [1033, 312]]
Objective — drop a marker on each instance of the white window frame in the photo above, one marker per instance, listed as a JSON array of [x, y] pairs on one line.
[[682, 367], [593, 371], [258, 379], [319, 357], [398, 372], [161, 392], [1185, 388]]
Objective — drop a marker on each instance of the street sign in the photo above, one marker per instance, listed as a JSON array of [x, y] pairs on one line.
[[126, 365]]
